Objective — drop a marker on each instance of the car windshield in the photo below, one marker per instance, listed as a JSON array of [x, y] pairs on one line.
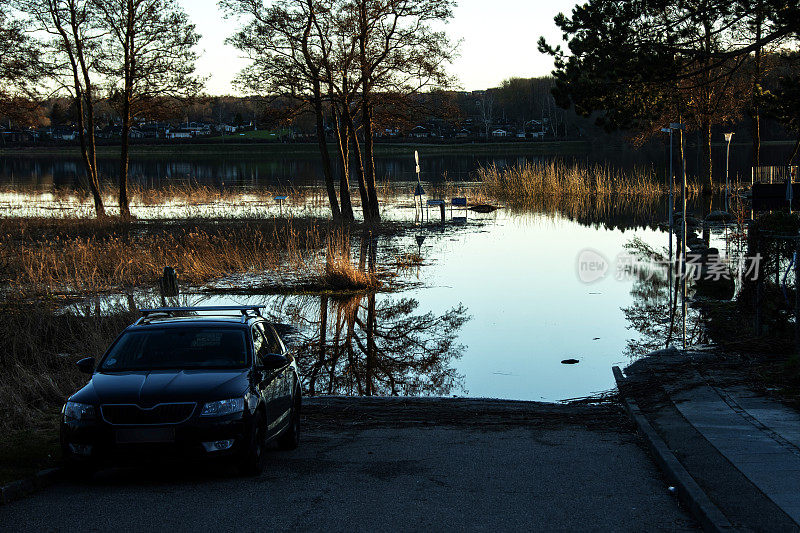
[[180, 348]]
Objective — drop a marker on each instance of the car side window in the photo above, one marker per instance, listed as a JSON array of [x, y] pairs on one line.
[[259, 344], [274, 344]]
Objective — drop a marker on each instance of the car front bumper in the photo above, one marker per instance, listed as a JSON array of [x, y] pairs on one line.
[[99, 441]]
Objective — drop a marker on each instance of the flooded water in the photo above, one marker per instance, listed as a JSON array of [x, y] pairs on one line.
[[496, 304], [489, 307]]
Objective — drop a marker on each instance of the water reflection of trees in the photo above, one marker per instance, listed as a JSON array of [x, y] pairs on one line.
[[655, 312], [614, 212], [370, 344]]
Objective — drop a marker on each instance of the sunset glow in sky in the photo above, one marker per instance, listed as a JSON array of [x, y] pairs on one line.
[[498, 40]]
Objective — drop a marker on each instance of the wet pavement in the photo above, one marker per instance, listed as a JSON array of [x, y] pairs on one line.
[[395, 465], [743, 449]]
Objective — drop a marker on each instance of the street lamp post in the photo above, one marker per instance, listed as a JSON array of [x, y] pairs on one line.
[[670, 207], [728, 137], [682, 250]]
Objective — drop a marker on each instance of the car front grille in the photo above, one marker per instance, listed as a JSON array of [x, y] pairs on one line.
[[133, 415]]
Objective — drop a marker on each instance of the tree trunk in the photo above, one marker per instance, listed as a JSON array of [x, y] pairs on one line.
[[86, 136], [372, 349], [362, 188], [343, 143], [124, 202], [369, 161], [323, 150], [84, 107], [708, 182], [757, 93], [323, 330]]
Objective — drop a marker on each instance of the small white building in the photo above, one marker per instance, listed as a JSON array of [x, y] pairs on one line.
[[499, 133], [179, 134]]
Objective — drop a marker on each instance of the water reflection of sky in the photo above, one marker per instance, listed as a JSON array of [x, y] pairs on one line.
[[530, 311], [516, 275]]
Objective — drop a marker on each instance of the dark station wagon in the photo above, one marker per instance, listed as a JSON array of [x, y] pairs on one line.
[[178, 383]]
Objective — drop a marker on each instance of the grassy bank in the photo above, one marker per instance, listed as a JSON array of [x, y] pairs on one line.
[[310, 150], [43, 257]]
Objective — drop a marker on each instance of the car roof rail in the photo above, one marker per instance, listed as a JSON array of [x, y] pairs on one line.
[[247, 311]]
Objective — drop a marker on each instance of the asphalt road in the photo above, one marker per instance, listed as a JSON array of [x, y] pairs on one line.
[[392, 466]]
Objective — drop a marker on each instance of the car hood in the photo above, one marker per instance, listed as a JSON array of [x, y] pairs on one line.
[[148, 388]]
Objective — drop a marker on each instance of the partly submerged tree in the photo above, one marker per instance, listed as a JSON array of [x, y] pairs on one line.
[[71, 54], [149, 57], [341, 57], [288, 49]]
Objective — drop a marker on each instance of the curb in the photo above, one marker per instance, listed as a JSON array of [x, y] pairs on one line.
[[17, 489], [689, 492]]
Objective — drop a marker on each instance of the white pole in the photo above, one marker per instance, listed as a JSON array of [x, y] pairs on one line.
[[728, 137], [670, 207]]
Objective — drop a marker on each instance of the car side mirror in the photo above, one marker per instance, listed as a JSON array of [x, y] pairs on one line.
[[86, 365], [273, 361]]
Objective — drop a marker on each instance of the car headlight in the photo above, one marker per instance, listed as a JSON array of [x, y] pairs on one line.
[[78, 411], [223, 407]]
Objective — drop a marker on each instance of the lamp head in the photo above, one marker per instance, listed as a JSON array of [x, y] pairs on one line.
[[728, 137]]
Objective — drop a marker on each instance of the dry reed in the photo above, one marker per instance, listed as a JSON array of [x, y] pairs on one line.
[[339, 273], [45, 257], [535, 183]]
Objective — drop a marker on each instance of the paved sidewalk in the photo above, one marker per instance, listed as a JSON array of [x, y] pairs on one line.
[[742, 449]]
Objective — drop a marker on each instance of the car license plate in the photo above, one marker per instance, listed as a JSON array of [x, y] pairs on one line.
[[145, 435]]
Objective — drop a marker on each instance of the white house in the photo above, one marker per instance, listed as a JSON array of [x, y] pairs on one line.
[[179, 134], [499, 133]]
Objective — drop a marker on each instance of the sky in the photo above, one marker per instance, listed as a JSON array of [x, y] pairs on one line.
[[498, 41]]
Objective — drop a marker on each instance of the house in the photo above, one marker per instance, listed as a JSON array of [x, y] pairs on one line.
[[63, 133], [197, 128], [463, 133], [19, 136], [419, 132], [499, 133], [227, 128], [179, 133]]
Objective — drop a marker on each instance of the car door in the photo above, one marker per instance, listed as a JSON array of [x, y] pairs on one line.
[[267, 379], [285, 378]]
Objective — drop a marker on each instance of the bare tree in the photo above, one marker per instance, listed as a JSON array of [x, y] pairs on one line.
[[149, 56], [72, 54], [343, 55], [400, 52], [485, 105], [288, 45]]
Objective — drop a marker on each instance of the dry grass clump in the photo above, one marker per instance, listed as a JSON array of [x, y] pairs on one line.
[[57, 256], [339, 273], [533, 183], [407, 261]]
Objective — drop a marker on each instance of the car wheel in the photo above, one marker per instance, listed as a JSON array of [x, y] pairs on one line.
[[290, 438], [251, 462]]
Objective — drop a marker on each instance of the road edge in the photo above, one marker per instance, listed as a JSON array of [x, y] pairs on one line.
[[23, 487], [689, 492]]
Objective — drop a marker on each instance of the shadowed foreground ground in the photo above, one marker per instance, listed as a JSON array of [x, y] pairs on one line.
[[394, 465]]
